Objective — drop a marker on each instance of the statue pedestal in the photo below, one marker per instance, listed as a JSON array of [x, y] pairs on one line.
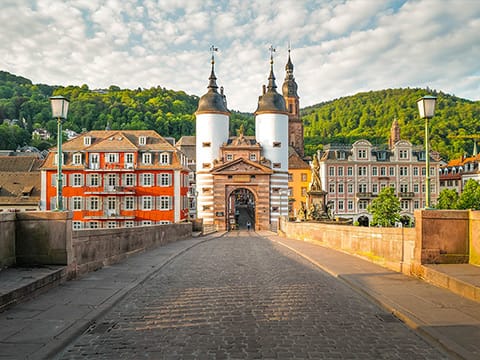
[[316, 204]]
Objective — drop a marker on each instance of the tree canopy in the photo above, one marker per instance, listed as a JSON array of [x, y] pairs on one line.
[[385, 208], [469, 199]]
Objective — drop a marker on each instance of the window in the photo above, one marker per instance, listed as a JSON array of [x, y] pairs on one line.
[[111, 158], [340, 205], [304, 177], [111, 204], [164, 222], [383, 186], [77, 180], [129, 223], [403, 188], [77, 159], [146, 222], [206, 144], [340, 155], [277, 144], [277, 165], [403, 154], [362, 188], [375, 188], [423, 171], [362, 154], [416, 204], [391, 171], [77, 203], [76, 225], [253, 157], [331, 171], [205, 165], [142, 140], [415, 171], [87, 141], [362, 205], [229, 157], [350, 204], [374, 171], [111, 224], [147, 203], [129, 161], [340, 188], [304, 191], [129, 180], [146, 179], [165, 203], [93, 203], [94, 161], [350, 188], [146, 158], [340, 171], [331, 188], [93, 180], [165, 179], [405, 204], [164, 158], [349, 171], [362, 171], [129, 203], [403, 171], [93, 225], [112, 180], [415, 188], [55, 160], [383, 171], [290, 177]]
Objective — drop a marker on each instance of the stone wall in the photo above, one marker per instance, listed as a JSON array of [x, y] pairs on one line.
[[7, 240], [43, 237], [390, 247], [442, 236], [95, 248], [474, 238]]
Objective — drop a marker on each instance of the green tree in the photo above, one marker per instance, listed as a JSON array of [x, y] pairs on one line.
[[470, 197], [385, 208], [447, 199]]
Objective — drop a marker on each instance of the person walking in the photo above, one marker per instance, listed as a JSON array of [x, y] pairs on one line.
[[249, 225]]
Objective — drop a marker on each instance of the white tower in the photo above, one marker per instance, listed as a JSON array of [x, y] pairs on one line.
[[271, 131], [212, 129]]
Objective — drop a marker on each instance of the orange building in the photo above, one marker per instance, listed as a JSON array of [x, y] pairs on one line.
[[299, 177], [118, 179]]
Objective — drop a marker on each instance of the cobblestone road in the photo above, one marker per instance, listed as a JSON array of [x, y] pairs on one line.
[[244, 297]]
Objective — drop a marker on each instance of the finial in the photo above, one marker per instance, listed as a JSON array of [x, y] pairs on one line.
[[213, 49], [272, 50]]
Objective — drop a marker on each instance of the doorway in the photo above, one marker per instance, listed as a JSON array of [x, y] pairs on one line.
[[241, 210]]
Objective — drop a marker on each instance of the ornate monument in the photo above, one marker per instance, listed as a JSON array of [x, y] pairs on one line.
[[317, 208]]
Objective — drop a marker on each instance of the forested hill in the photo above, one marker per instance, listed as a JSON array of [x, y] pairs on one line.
[[171, 113], [369, 115]]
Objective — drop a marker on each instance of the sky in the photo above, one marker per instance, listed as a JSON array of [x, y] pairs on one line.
[[338, 47]]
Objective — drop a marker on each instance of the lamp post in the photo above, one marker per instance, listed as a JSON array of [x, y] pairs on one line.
[[426, 108], [59, 111]]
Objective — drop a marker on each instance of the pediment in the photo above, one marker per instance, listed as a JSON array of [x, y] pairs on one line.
[[241, 166]]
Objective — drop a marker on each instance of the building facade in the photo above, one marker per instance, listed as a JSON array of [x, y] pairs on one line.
[[118, 179], [353, 175], [242, 173], [299, 177], [457, 172]]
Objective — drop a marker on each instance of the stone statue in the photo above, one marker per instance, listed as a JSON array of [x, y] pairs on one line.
[[316, 184], [301, 212]]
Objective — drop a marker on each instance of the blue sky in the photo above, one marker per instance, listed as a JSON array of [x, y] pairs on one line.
[[339, 47]]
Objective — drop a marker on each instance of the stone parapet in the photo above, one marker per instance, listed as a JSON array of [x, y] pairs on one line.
[[474, 258], [7, 240]]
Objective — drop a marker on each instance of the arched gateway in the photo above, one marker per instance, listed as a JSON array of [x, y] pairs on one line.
[[241, 209]]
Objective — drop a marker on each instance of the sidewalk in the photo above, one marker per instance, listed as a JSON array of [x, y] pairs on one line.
[[438, 314], [41, 327]]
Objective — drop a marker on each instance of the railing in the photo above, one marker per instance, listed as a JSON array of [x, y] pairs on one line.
[[406, 195]]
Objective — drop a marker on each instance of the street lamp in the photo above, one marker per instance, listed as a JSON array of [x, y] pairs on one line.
[[426, 108], [59, 111]]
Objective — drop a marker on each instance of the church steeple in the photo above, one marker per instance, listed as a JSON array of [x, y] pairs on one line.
[[292, 101]]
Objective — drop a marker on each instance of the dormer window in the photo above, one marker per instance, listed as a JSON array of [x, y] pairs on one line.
[[229, 157], [87, 140], [142, 140], [164, 158], [147, 158], [362, 154], [77, 159], [253, 157]]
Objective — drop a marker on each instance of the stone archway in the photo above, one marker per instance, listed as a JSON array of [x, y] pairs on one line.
[[363, 220], [241, 209]]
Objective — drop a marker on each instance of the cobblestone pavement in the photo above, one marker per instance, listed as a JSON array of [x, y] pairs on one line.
[[243, 297]]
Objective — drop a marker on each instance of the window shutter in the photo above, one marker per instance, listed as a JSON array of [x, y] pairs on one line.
[[53, 202], [141, 179], [54, 180], [169, 179], [170, 203], [159, 179]]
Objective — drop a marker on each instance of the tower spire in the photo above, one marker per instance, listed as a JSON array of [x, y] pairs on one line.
[[213, 79], [271, 78]]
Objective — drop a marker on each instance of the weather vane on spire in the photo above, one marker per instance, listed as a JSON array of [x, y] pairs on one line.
[[272, 50], [213, 49]]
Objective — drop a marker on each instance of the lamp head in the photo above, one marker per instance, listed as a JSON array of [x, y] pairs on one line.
[[426, 106], [59, 106]]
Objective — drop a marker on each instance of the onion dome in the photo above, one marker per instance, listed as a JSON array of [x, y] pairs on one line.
[[212, 101], [290, 87], [271, 101]]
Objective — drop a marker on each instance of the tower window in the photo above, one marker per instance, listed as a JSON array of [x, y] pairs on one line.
[[206, 144], [277, 165], [229, 157], [205, 165], [277, 144], [142, 140]]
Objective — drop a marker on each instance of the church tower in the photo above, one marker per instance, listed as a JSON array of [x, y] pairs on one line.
[[295, 125], [271, 131], [212, 130]]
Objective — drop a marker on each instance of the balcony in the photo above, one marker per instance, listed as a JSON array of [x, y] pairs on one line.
[[406, 195], [110, 189], [108, 214], [365, 195]]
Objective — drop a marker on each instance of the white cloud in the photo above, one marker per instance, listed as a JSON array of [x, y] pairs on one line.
[[338, 47]]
